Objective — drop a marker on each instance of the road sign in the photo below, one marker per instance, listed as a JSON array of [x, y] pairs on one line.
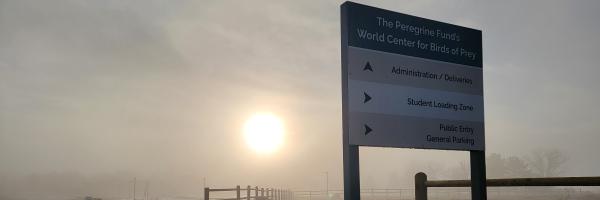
[[410, 82]]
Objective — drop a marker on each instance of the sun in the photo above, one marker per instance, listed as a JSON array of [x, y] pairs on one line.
[[264, 132]]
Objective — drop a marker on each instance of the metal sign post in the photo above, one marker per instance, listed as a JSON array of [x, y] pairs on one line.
[[478, 179], [409, 82]]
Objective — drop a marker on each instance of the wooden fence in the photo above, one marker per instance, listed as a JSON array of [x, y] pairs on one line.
[[421, 183], [250, 193]]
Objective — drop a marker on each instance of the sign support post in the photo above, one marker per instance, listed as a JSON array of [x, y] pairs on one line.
[[351, 173], [478, 178], [351, 154]]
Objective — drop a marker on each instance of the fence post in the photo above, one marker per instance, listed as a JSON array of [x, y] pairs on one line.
[[262, 192], [400, 193], [256, 193], [206, 193], [237, 189], [386, 194], [420, 187], [248, 192]]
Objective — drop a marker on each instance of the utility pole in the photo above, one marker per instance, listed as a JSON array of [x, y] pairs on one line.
[[134, 181], [146, 191], [327, 184]]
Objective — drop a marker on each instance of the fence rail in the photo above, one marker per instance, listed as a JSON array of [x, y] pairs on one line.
[[259, 193], [421, 183], [559, 181]]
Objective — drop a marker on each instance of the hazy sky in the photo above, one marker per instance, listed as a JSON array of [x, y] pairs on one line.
[[162, 88]]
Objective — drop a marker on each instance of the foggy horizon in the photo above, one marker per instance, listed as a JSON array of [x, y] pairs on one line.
[[96, 93]]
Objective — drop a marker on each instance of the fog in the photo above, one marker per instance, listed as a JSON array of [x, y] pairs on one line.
[[96, 93]]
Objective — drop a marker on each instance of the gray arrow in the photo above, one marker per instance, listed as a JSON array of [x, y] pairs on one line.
[[367, 97], [368, 67], [367, 129]]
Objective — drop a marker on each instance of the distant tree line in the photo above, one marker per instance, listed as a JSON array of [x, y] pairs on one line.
[[539, 163]]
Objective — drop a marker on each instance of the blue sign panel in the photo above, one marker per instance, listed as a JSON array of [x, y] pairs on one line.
[[410, 82]]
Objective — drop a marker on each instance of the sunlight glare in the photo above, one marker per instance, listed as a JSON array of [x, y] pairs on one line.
[[264, 132]]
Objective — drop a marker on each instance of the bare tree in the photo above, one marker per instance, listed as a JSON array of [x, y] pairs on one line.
[[495, 166], [516, 167], [547, 162], [499, 166]]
